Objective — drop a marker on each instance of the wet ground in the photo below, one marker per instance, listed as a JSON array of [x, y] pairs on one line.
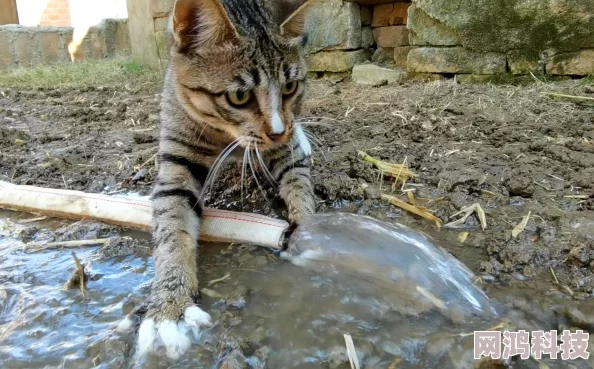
[[510, 149]]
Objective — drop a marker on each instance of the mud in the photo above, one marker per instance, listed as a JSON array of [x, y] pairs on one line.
[[508, 148]]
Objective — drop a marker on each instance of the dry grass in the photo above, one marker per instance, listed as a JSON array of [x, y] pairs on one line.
[[91, 73]]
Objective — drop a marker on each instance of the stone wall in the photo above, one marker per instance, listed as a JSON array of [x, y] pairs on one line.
[[469, 38], [148, 22], [28, 46]]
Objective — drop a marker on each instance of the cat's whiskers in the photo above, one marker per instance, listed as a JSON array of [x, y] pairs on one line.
[[251, 164], [314, 141], [218, 164], [243, 170], [265, 169]]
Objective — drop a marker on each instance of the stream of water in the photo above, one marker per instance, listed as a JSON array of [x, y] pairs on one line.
[[269, 313]]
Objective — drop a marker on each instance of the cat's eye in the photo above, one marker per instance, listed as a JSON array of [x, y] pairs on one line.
[[239, 98], [290, 88]]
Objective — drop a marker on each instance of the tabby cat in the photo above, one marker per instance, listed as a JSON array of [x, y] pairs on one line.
[[234, 86]]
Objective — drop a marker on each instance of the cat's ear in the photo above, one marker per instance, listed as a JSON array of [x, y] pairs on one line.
[[201, 23], [291, 15]]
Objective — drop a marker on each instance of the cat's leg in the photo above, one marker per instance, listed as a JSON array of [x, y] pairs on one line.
[[291, 167], [173, 316]]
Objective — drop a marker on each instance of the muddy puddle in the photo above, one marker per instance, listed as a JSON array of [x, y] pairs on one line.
[[268, 313]]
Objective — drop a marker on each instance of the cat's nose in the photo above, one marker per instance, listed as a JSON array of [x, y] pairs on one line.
[[275, 136]]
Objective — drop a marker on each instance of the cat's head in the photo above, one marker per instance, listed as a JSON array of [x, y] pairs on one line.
[[238, 65]]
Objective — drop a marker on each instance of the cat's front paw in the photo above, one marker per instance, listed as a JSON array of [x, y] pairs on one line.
[[299, 209], [171, 323]]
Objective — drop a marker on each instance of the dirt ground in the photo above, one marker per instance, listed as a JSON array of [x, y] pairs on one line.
[[511, 149]]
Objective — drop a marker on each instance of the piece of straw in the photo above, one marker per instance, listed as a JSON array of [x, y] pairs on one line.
[[399, 172], [351, 352], [422, 212], [521, 226]]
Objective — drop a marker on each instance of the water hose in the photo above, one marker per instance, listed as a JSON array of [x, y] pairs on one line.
[[136, 213]]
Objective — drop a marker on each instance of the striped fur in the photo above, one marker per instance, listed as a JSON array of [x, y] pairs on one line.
[[223, 50]]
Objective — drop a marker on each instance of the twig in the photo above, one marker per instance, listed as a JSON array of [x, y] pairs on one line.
[[35, 247], [147, 162], [569, 97], [211, 293], [226, 276], [33, 220], [554, 275], [78, 276], [582, 197]]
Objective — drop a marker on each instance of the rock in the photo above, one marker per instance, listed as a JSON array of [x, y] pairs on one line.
[[366, 15], [140, 175], [579, 63], [520, 185], [336, 61], [454, 60], [400, 55], [367, 39], [391, 36], [142, 137], [527, 25], [383, 55], [520, 63], [235, 360], [110, 351], [389, 15], [333, 25], [425, 30], [370, 74]]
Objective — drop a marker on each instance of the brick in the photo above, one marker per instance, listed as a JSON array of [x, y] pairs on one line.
[[49, 44], [392, 36], [366, 15], [578, 63], [401, 55], [5, 54], [454, 60], [390, 15]]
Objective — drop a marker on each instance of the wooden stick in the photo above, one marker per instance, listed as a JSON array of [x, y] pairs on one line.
[[35, 247]]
